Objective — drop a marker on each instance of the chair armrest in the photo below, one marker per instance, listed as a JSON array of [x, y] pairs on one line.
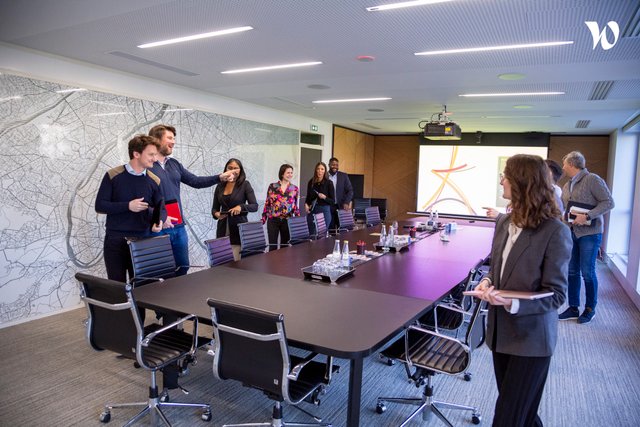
[[133, 280], [147, 340], [295, 371]]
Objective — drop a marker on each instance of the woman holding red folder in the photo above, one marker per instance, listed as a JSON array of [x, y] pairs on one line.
[[530, 252]]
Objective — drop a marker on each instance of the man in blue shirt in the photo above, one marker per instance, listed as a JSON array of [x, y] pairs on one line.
[[171, 174], [125, 195]]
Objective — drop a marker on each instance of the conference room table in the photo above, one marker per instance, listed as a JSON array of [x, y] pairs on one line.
[[352, 319]]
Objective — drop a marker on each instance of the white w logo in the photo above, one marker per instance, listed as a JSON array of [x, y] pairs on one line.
[[601, 36]]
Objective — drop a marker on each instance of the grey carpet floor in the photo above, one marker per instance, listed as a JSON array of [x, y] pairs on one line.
[[50, 377]]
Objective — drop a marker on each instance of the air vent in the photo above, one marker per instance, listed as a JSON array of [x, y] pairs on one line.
[[600, 90], [368, 126], [289, 101], [152, 63], [582, 124], [632, 29]]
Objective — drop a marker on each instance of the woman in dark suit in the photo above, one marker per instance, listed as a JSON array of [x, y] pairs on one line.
[[232, 202], [530, 252], [321, 195]]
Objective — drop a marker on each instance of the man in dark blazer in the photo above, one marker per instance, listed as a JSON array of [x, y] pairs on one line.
[[343, 190]]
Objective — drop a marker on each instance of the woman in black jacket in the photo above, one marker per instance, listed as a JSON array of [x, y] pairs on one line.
[[321, 195], [232, 202]]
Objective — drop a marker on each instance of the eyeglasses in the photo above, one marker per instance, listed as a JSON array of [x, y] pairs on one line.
[[502, 177]]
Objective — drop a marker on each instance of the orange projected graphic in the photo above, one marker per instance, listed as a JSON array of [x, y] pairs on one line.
[[446, 179]]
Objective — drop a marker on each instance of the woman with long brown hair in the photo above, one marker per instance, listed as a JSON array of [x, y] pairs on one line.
[[321, 195], [530, 253]]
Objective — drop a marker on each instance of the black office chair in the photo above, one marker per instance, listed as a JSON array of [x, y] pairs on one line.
[[320, 225], [430, 353], [152, 260], [359, 205], [219, 251], [252, 239], [298, 230], [345, 220], [115, 325], [251, 347], [382, 207], [372, 215]]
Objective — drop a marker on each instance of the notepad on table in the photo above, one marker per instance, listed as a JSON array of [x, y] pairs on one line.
[[513, 294]]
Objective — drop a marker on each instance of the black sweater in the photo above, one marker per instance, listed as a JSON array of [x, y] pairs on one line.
[[117, 189], [325, 187]]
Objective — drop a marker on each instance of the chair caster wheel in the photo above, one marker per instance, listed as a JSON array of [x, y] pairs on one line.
[[165, 397], [381, 408], [467, 377], [391, 362], [105, 417], [206, 416], [476, 419]]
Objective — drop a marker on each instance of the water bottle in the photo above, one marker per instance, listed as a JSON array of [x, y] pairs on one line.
[[383, 236], [395, 228], [346, 259], [336, 250], [431, 215], [435, 217], [391, 236]]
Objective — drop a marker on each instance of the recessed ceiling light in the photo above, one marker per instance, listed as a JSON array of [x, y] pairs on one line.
[[511, 76], [78, 89], [271, 67], [195, 37], [319, 87], [487, 48], [328, 101], [404, 4], [471, 95], [365, 58], [522, 107]]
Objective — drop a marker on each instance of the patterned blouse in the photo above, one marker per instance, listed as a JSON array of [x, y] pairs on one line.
[[279, 204]]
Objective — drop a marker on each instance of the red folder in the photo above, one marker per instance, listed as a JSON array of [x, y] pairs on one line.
[[173, 210]]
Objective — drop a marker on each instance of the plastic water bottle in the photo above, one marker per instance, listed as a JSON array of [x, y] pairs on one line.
[[346, 259], [391, 237], [383, 236], [336, 250]]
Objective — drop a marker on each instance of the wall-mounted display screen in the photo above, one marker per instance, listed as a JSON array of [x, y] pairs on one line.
[[464, 179]]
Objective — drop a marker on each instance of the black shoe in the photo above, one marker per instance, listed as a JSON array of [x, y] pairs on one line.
[[569, 313], [587, 315]]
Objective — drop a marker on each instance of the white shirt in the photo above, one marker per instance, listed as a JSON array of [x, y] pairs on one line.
[[514, 233]]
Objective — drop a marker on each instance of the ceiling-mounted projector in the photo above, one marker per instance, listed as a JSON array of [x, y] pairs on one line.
[[441, 129]]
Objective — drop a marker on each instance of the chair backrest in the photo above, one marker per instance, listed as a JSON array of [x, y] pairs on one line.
[[382, 206], [112, 321], [219, 250], [359, 205], [252, 239], [476, 331], [321, 225], [250, 346], [152, 259], [298, 229], [345, 219], [372, 215]]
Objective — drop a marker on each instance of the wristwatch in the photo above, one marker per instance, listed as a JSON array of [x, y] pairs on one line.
[[587, 216]]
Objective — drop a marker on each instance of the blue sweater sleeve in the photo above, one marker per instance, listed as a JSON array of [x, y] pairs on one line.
[[104, 205], [195, 181]]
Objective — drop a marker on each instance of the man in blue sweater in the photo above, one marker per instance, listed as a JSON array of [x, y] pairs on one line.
[[125, 195], [171, 174]]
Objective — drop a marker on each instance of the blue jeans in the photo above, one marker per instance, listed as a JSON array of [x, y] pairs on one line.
[[583, 261], [180, 245]]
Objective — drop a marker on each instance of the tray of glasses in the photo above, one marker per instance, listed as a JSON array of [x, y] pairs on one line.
[[328, 274], [395, 248]]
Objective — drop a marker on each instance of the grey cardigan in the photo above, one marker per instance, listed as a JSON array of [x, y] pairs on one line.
[[589, 188]]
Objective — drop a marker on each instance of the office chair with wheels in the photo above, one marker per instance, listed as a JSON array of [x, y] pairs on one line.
[[430, 353], [345, 220], [219, 251], [251, 347], [152, 260], [359, 206], [382, 207], [252, 239], [115, 325], [372, 215], [320, 225], [298, 230]]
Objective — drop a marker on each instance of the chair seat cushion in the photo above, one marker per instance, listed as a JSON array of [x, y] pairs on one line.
[[311, 377], [439, 354], [166, 347]]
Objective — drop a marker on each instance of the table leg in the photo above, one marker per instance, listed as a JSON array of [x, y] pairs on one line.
[[355, 393]]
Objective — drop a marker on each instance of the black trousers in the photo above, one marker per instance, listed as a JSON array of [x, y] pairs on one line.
[[117, 258], [275, 227], [520, 383]]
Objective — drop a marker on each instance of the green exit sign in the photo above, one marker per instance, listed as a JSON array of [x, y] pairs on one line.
[[314, 128]]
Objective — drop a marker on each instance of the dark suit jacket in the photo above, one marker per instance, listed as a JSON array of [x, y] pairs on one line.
[[242, 195], [344, 189], [538, 262]]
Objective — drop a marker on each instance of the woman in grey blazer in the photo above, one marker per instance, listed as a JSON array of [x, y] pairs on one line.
[[530, 252]]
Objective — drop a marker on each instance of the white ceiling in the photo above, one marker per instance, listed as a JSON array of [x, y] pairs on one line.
[[336, 32]]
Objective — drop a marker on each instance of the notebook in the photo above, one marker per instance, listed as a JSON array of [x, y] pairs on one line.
[[513, 294], [173, 210]]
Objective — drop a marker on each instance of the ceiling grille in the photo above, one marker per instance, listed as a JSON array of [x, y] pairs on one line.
[[152, 63], [582, 124], [600, 90], [632, 29]]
